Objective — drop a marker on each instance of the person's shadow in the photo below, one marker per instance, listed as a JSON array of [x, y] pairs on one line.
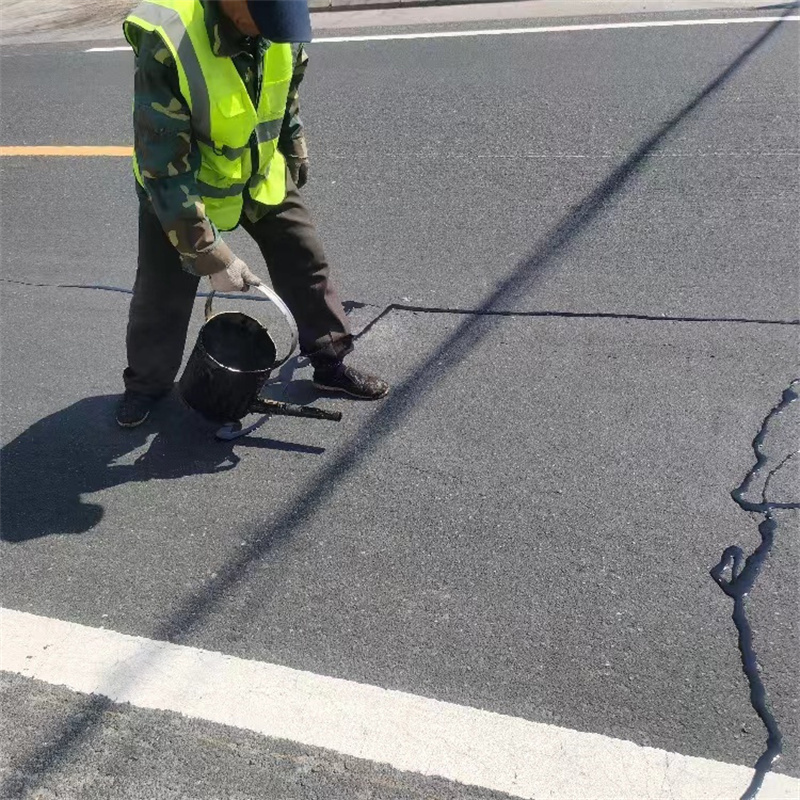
[[47, 469]]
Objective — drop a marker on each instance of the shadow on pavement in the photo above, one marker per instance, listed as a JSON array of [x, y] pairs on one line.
[[80, 450], [320, 490]]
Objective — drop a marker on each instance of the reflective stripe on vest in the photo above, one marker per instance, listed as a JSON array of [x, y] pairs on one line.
[[223, 117]]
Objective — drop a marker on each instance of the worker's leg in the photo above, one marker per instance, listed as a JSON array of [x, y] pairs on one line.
[[300, 274], [163, 297]]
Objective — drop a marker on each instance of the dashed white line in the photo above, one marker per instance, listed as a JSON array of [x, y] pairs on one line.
[[417, 734], [604, 26]]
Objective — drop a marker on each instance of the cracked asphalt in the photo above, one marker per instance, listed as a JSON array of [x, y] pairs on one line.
[[575, 257]]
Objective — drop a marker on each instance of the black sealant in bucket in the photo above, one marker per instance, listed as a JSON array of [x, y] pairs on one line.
[[231, 361]]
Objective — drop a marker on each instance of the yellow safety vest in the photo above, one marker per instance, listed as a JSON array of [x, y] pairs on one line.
[[224, 119]]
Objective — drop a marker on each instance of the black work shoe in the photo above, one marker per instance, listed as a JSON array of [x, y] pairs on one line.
[[134, 408], [341, 378]]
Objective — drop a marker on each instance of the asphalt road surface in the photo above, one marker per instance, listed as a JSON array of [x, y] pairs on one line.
[[574, 255]]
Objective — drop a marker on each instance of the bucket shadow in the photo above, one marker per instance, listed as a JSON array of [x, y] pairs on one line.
[[46, 471], [293, 383]]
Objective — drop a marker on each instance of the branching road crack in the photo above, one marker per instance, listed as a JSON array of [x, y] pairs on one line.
[[736, 575]]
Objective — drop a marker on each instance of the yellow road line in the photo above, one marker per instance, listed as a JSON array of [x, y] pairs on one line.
[[80, 151]]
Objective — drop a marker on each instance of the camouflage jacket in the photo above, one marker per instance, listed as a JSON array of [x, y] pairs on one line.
[[164, 143]]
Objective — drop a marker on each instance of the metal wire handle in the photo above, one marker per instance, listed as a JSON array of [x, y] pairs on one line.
[[279, 304]]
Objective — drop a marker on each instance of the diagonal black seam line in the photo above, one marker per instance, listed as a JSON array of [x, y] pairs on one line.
[[321, 488]]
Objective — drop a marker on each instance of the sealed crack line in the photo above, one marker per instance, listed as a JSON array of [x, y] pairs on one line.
[[736, 576], [93, 287], [349, 305], [118, 289], [354, 305], [569, 315]]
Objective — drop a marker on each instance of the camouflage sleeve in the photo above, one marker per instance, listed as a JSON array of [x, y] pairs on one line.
[[293, 140], [169, 159]]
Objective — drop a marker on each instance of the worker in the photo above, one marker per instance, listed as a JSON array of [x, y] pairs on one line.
[[218, 144]]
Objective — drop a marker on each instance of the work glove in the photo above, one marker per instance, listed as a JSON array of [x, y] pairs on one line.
[[298, 169], [236, 277]]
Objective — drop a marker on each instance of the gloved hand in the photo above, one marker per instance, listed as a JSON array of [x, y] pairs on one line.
[[236, 277], [298, 169]]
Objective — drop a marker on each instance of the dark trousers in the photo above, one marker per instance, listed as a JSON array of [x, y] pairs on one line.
[[164, 293]]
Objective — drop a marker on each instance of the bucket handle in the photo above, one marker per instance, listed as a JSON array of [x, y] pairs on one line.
[[281, 306]]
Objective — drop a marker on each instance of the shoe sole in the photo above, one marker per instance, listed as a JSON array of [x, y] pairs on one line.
[[350, 394], [134, 424]]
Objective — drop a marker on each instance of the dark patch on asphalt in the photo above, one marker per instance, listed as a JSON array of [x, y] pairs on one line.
[[352, 305], [736, 576]]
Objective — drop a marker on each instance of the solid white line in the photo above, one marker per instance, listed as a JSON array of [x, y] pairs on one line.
[[416, 734], [509, 31], [123, 49], [553, 29]]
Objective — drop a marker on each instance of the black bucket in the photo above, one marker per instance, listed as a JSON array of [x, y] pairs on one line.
[[231, 361]]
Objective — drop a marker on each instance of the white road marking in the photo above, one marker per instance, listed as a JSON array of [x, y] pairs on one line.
[[605, 26], [417, 734]]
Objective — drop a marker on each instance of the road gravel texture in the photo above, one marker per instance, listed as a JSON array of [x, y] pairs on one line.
[[578, 253]]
